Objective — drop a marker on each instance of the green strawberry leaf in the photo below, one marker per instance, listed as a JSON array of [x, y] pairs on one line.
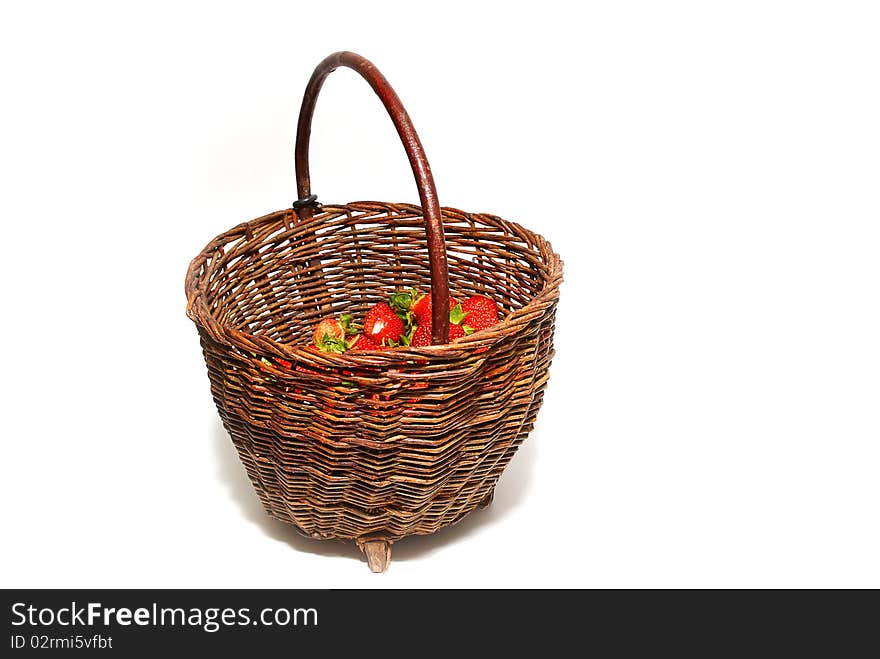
[[332, 344], [401, 301], [406, 338], [348, 324], [457, 314], [467, 329]]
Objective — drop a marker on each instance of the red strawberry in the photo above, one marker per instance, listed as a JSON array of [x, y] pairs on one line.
[[283, 363], [482, 312], [362, 342], [422, 309], [382, 325], [422, 336]]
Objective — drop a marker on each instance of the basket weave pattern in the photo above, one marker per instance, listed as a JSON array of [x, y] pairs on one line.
[[373, 445], [379, 444]]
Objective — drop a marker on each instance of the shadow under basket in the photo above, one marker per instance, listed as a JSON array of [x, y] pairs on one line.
[[373, 446]]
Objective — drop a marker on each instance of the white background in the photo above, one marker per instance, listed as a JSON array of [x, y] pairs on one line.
[[708, 171]]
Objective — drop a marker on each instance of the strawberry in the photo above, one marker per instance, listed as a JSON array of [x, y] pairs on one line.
[[283, 363], [481, 312], [414, 307], [329, 334], [422, 336], [382, 325], [361, 342], [422, 310]]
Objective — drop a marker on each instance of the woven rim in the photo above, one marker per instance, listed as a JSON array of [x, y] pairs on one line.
[[373, 445], [199, 273]]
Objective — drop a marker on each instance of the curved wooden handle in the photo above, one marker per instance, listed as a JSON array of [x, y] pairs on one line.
[[420, 167]]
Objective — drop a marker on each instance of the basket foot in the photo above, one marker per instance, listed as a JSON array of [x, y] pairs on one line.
[[378, 553], [485, 503]]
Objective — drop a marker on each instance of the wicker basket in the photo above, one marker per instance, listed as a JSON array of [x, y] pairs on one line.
[[372, 446]]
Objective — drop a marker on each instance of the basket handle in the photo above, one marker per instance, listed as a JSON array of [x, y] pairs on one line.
[[417, 159]]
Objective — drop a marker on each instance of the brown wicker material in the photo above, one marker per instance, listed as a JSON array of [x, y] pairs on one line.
[[375, 445]]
